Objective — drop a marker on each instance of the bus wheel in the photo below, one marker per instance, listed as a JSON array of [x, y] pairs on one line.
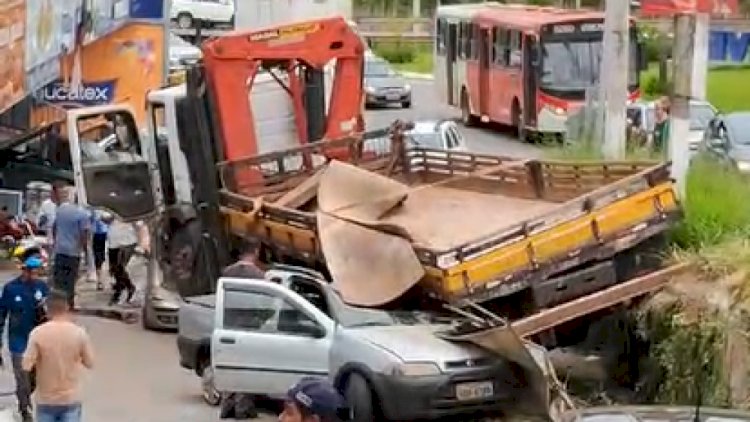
[[467, 118], [518, 121]]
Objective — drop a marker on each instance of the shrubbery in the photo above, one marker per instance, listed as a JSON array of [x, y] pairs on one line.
[[396, 52]]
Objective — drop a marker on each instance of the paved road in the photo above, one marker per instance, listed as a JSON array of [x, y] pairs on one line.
[[137, 378], [426, 106]]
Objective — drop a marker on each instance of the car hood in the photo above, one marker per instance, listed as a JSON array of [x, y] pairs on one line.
[[384, 82], [418, 343]]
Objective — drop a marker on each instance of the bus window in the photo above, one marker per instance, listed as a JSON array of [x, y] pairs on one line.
[[501, 46], [440, 36], [515, 49], [472, 55], [462, 40]]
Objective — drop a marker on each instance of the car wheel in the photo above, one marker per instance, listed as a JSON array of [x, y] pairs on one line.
[[146, 317], [406, 104], [208, 389], [185, 20], [359, 397]]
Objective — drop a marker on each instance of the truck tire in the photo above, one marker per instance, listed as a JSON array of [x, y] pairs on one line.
[[359, 397], [183, 253]]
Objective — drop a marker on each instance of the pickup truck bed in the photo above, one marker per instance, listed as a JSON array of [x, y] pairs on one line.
[[485, 227]]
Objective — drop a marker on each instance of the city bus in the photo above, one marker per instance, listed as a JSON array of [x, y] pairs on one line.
[[523, 66]]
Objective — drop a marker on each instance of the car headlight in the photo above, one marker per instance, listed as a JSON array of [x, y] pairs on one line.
[[743, 166], [415, 369], [370, 90], [407, 88]]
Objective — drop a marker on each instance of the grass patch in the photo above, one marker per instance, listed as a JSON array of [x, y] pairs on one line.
[[722, 86], [716, 205], [583, 151], [422, 63]]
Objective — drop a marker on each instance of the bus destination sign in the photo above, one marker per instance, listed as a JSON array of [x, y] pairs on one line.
[[571, 28]]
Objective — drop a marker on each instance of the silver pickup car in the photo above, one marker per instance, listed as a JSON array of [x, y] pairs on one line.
[[388, 364]]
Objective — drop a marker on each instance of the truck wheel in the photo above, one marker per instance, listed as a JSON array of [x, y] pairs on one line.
[[182, 253], [185, 20], [208, 389], [359, 397]]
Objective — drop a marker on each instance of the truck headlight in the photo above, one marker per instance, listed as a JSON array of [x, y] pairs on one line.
[[415, 369], [743, 166]]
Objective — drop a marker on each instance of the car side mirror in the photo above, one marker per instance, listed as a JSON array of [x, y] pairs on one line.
[[311, 330]]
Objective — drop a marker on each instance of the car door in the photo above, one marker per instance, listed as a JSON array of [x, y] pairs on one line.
[[120, 179], [266, 337]]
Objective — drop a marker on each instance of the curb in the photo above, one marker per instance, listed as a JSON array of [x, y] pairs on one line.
[[421, 76]]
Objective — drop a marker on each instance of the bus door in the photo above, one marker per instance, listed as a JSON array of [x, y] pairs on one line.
[[531, 63], [484, 70], [450, 61]]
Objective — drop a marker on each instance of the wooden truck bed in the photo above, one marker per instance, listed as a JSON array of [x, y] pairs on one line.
[[490, 227]]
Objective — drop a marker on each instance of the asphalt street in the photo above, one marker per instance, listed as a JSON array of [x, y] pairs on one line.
[[426, 106], [137, 375]]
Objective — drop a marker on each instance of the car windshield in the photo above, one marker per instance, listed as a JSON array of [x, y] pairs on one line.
[[574, 65], [700, 116], [739, 128], [426, 139], [378, 69]]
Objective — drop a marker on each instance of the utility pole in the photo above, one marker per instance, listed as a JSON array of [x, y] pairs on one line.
[[614, 77], [689, 56]]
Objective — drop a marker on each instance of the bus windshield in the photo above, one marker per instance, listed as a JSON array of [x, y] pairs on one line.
[[570, 66]]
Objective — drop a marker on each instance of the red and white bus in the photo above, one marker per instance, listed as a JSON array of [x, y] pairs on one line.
[[523, 66]]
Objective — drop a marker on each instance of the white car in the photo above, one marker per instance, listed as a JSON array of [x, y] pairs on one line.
[[186, 12], [428, 134], [641, 116]]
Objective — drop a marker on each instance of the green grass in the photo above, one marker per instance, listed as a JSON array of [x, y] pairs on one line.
[[724, 86], [716, 205], [422, 63], [586, 152]]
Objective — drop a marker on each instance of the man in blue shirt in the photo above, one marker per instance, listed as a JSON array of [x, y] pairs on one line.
[[22, 303], [71, 233]]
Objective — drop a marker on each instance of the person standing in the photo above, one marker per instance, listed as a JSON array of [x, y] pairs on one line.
[[57, 350], [123, 239], [661, 126], [70, 232], [22, 304], [99, 247]]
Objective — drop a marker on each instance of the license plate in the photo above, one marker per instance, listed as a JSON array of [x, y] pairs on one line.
[[393, 97], [474, 390]]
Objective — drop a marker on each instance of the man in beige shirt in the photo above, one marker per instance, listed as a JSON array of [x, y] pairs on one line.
[[57, 350]]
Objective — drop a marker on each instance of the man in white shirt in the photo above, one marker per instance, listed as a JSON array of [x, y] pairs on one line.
[[123, 239]]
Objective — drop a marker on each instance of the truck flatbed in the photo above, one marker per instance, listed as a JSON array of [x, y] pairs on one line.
[[484, 226]]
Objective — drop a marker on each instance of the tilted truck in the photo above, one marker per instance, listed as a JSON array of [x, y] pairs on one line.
[[547, 231]]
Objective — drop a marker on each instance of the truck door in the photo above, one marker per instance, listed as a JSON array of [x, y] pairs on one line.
[[266, 337], [115, 176]]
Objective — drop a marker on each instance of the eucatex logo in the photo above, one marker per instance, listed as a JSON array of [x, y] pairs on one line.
[[87, 93]]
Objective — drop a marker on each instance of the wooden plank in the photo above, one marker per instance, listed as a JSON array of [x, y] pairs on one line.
[[302, 193], [585, 305]]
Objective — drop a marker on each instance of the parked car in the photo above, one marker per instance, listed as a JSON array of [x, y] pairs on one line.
[[383, 86], [181, 55], [267, 335], [641, 119], [727, 139], [432, 134], [186, 12], [655, 413]]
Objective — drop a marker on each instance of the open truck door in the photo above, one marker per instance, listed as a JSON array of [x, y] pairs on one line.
[[113, 176]]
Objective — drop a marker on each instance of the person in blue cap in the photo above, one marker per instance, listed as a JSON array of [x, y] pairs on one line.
[[313, 400], [22, 303]]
